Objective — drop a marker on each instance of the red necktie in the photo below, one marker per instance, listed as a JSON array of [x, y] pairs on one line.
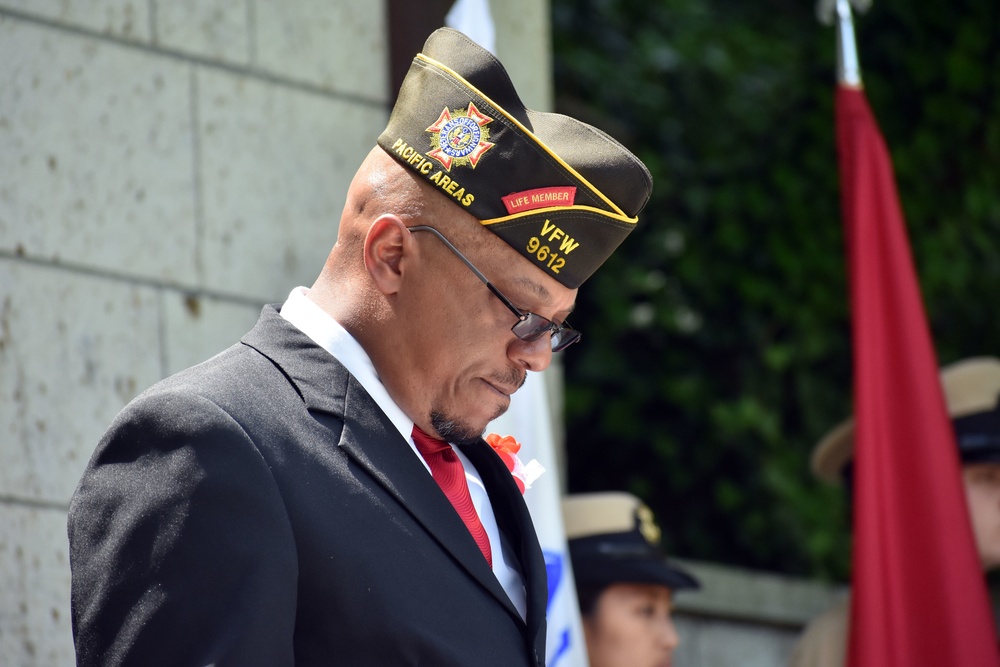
[[449, 473]]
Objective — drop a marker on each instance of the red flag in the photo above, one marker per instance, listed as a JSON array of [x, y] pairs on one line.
[[919, 593]]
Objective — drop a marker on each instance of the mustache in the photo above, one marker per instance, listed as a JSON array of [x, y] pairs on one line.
[[512, 377]]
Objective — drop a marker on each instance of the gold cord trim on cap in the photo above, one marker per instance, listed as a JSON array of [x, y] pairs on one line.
[[528, 132], [557, 209]]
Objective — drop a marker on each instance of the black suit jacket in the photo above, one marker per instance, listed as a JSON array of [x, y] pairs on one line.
[[260, 509]]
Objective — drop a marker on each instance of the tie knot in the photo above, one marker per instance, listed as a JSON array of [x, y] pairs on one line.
[[428, 445]]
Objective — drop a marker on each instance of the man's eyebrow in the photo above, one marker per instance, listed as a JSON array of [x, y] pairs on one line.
[[538, 290]]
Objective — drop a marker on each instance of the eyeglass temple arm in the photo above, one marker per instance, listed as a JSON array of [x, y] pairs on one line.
[[496, 292]]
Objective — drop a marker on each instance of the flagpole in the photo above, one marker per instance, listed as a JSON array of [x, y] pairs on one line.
[[848, 70]]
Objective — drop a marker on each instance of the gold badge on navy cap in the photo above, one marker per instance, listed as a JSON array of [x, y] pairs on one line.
[[560, 192], [613, 538], [647, 524]]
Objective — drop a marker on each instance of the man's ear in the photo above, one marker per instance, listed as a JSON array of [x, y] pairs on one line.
[[388, 241]]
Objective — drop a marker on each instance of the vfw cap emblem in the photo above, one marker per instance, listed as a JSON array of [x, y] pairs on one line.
[[460, 137]]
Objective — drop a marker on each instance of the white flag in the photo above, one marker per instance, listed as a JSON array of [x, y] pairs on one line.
[[473, 18], [529, 421]]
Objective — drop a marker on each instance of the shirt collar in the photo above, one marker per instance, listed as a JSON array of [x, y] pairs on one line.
[[328, 333]]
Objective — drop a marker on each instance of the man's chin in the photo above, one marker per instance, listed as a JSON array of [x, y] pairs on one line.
[[502, 408], [464, 431]]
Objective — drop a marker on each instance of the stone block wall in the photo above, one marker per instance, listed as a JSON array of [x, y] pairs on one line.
[[745, 618], [166, 168]]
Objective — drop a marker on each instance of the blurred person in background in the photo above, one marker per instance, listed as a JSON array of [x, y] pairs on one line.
[[971, 390], [624, 582]]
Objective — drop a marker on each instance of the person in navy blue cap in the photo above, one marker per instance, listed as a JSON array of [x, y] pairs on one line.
[[624, 581]]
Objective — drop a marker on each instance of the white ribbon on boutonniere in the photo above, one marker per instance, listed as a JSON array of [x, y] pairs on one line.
[[507, 448]]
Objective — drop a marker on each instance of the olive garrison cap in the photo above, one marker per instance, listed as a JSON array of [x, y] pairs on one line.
[[971, 391], [613, 539], [562, 193]]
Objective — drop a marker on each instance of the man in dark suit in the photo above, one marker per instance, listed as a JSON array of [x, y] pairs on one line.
[[295, 500]]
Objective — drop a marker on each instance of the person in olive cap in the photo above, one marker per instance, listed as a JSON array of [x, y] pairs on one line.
[[972, 394], [624, 582], [320, 493]]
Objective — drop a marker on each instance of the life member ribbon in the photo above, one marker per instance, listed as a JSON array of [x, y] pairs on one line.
[[539, 198]]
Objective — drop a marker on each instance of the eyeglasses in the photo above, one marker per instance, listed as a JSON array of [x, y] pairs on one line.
[[529, 326]]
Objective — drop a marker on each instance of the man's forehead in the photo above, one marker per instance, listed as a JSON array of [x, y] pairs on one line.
[[537, 290]]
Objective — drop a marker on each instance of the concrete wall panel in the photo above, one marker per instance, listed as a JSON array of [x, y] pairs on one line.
[[337, 46], [197, 328], [34, 588], [275, 164], [73, 350], [125, 19], [96, 149], [214, 29]]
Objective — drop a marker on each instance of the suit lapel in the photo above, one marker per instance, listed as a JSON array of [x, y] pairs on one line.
[[371, 440], [515, 523], [378, 448]]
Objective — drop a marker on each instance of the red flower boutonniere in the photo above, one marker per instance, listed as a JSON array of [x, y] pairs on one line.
[[507, 448]]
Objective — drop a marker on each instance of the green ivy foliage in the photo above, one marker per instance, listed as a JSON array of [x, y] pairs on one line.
[[716, 346]]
